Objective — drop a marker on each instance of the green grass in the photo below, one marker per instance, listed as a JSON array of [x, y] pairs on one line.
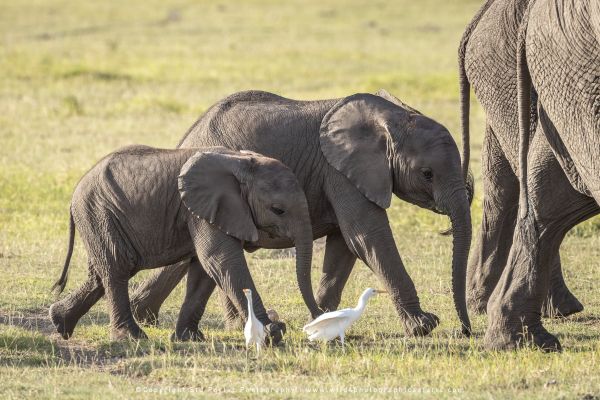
[[80, 79]]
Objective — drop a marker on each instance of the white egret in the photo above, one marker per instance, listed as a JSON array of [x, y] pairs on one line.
[[333, 324], [254, 331]]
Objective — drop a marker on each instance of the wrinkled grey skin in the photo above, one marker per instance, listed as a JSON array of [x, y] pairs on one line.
[[558, 52], [488, 53], [349, 156], [141, 208]]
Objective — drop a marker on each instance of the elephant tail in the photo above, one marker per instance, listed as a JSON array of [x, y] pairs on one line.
[[525, 94], [465, 90], [60, 284]]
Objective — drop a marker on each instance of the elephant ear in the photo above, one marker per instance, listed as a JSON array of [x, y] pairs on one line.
[[393, 99], [209, 186], [356, 140]]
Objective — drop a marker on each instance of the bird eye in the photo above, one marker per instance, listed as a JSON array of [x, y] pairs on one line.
[[276, 210], [427, 174]]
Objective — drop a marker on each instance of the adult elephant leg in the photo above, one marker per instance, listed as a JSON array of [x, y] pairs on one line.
[[337, 266], [501, 192], [514, 309], [368, 235], [149, 296], [500, 203], [560, 302], [66, 313], [199, 288]]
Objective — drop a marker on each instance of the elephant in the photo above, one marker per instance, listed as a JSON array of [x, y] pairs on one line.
[[349, 155], [142, 207], [488, 62], [558, 54]]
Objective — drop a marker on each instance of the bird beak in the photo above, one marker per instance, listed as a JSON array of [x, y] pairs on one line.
[[380, 291]]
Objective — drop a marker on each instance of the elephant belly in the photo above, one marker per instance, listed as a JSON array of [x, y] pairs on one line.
[[265, 241]]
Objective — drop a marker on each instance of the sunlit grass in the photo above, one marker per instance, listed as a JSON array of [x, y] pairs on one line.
[[80, 79]]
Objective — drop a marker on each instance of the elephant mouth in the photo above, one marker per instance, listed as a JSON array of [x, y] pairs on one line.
[[270, 231], [431, 206]]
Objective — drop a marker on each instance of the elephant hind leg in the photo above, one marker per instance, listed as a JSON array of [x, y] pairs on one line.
[[500, 200], [560, 301], [514, 308], [66, 313], [199, 289], [149, 296], [233, 319], [122, 323]]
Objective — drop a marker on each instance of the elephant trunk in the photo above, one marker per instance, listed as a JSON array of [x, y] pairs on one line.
[[303, 239], [460, 218]]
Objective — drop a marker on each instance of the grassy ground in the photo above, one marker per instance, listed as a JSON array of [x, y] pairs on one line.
[[79, 79]]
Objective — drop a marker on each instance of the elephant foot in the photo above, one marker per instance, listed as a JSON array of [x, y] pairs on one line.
[[503, 338], [187, 335], [561, 303], [130, 331], [275, 332], [545, 341], [420, 324], [329, 304], [63, 325]]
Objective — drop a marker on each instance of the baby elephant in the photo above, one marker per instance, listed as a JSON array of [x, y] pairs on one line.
[[142, 208]]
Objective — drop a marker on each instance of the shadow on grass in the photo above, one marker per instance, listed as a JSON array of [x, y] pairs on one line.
[[31, 339]]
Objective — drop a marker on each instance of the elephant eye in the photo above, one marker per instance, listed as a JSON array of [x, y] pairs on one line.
[[277, 211], [427, 174]]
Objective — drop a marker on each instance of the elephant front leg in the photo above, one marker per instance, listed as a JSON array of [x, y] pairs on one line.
[[149, 296], [514, 308], [66, 313], [366, 230], [381, 255], [500, 203], [231, 315], [222, 256], [337, 266], [199, 288], [115, 280]]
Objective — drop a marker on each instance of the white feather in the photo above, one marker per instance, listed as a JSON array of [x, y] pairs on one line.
[[334, 324], [254, 330]]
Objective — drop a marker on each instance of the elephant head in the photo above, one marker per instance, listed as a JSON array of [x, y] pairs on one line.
[[244, 194], [383, 146]]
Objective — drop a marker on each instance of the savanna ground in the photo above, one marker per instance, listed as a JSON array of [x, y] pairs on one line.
[[80, 79]]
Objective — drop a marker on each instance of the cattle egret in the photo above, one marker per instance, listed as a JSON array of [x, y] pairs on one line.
[[254, 331], [333, 324]]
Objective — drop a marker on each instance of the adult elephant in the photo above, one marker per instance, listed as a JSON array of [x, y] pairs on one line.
[[349, 155], [488, 62], [559, 53]]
